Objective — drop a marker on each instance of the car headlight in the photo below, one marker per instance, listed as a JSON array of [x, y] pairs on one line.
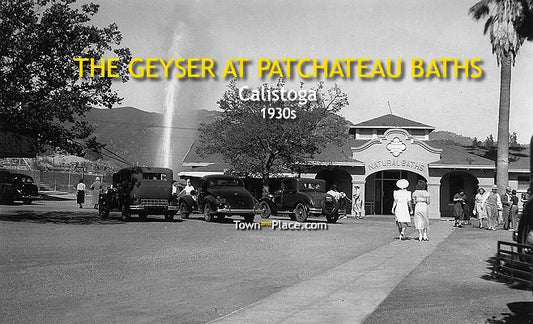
[[220, 200]]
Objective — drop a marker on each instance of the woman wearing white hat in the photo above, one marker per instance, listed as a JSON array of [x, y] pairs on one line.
[[401, 206], [97, 188]]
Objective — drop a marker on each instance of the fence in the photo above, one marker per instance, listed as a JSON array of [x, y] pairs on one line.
[[65, 181]]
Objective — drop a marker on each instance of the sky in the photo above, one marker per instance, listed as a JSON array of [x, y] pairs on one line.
[[329, 29]]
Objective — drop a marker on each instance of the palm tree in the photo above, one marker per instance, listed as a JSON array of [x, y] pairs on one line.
[[507, 23]]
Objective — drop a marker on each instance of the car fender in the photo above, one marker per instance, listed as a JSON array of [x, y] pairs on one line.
[[189, 202], [211, 201], [273, 206]]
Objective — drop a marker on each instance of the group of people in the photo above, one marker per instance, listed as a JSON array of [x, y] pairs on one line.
[[96, 186], [498, 210], [341, 197], [402, 208]]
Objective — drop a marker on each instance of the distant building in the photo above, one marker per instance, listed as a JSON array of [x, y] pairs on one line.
[[384, 149]]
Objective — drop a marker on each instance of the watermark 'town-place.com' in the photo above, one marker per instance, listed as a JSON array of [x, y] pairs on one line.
[[280, 225]]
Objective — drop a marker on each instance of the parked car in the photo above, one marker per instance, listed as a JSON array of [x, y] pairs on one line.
[[299, 198], [24, 188], [218, 196], [142, 191], [7, 192]]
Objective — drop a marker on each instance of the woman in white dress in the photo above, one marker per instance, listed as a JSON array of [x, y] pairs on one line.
[[421, 217], [478, 207], [401, 206]]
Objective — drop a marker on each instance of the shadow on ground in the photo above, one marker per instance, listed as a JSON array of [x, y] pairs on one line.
[[522, 312], [492, 276], [79, 218]]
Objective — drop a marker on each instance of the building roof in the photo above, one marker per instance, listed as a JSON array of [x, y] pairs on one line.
[[456, 155], [391, 121]]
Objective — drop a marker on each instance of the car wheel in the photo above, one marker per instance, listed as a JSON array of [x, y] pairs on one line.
[[208, 214], [126, 215], [220, 217], [184, 210], [169, 216], [249, 218], [332, 218], [26, 201], [266, 211], [300, 213], [103, 211], [143, 216]]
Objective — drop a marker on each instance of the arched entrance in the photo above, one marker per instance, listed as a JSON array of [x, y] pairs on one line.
[[380, 186], [337, 176], [452, 183]]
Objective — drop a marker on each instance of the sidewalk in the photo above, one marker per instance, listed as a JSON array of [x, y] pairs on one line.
[[454, 285], [347, 293]]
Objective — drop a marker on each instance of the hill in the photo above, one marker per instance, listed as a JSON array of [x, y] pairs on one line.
[[451, 138], [136, 134]]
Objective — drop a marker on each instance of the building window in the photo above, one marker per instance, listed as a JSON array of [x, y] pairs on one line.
[[523, 183], [365, 133]]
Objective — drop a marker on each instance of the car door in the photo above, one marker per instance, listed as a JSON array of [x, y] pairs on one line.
[[289, 195]]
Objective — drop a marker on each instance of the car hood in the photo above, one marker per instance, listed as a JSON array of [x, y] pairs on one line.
[[317, 197], [236, 197]]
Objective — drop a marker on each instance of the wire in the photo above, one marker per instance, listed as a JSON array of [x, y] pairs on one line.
[[139, 124]]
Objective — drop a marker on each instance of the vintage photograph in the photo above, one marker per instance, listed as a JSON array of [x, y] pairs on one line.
[[195, 161]]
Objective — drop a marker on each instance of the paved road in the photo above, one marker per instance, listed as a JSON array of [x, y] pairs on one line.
[[71, 266]]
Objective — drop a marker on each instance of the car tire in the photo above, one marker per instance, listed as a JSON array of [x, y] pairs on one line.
[[266, 211], [209, 216], [103, 211], [332, 218], [184, 210], [220, 217], [249, 218], [126, 214], [143, 216], [26, 201], [169, 216], [300, 213]]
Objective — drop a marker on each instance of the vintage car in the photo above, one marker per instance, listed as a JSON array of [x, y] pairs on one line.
[[300, 198], [218, 196], [7, 192], [139, 190], [24, 187]]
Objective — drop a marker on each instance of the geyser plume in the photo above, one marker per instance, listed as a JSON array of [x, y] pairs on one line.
[[165, 154]]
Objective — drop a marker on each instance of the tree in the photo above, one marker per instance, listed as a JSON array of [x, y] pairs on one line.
[[259, 146], [508, 24], [42, 95], [513, 140], [489, 142]]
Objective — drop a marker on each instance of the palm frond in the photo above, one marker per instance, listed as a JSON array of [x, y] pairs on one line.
[[480, 9]]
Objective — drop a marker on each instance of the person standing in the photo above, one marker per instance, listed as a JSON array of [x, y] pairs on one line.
[[401, 208], [357, 206], [421, 217], [96, 187], [478, 207], [513, 212], [80, 195], [506, 208], [492, 204], [458, 211]]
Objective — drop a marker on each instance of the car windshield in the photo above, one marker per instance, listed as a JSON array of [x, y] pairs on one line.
[[312, 186], [225, 182], [155, 176]]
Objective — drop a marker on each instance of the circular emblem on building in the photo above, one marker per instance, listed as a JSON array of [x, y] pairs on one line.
[[396, 147]]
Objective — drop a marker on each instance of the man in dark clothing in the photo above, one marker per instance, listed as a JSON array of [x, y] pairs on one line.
[[513, 212], [506, 202]]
